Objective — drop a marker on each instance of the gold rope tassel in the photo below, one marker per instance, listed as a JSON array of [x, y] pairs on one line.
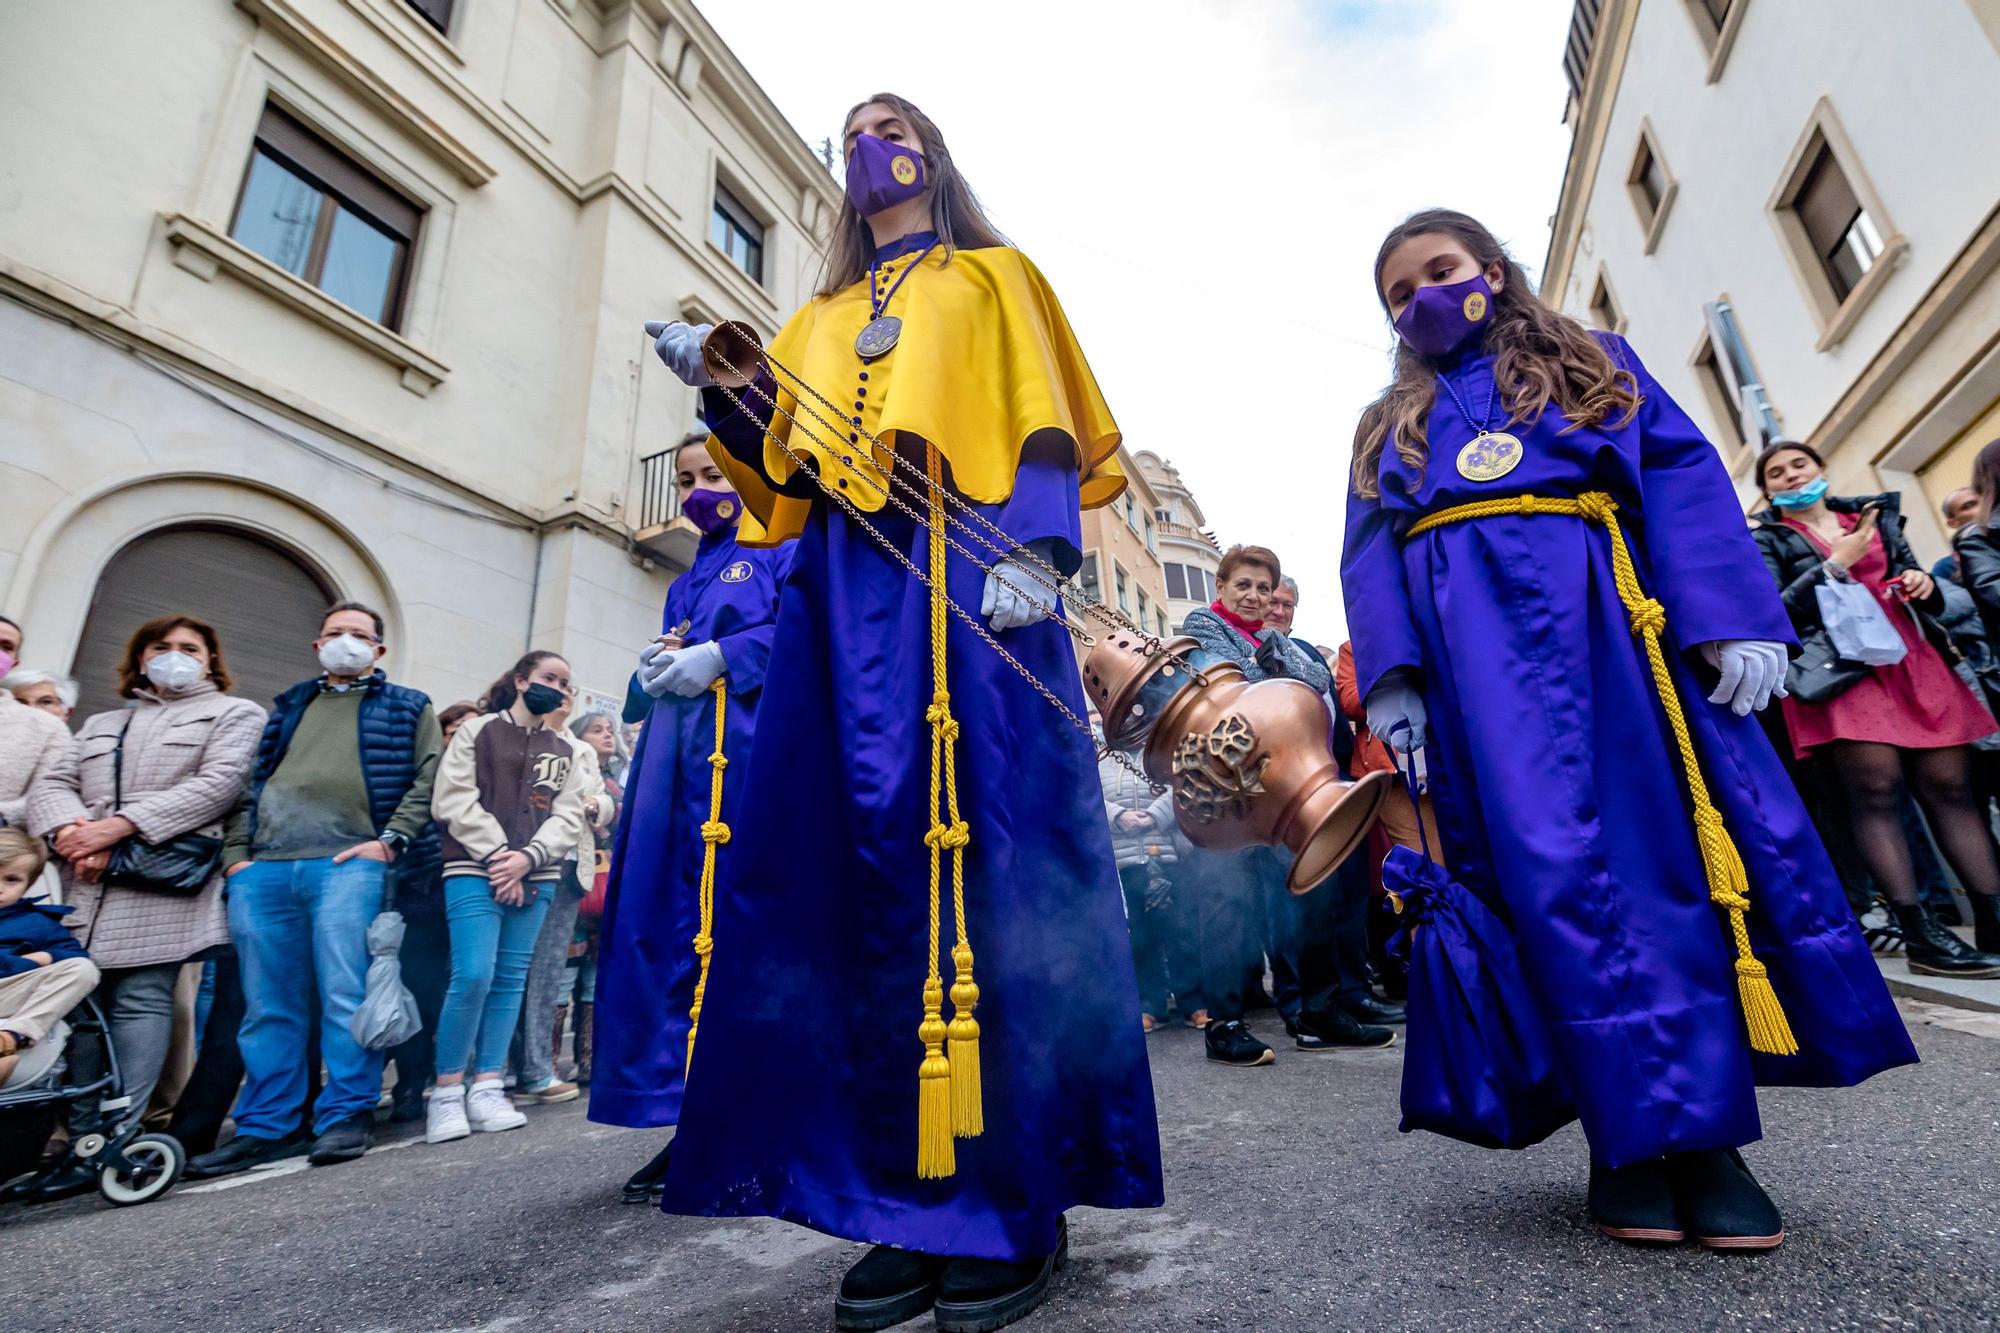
[[714, 833], [1728, 884]]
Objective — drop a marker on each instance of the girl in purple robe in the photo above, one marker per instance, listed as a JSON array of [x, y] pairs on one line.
[[1578, 672], [823, 1088], [723, 615]]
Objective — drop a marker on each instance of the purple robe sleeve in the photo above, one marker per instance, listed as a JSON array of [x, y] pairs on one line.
[[1706, 569], [741, 430], [1377, 594], [746, 653], [1045, 510]]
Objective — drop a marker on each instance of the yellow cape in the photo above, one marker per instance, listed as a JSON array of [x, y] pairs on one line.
[[986, 360]]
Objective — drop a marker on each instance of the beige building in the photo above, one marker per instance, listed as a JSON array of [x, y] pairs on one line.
[[1792, 209], [1121, 558], [1189, 554], [342, 298]]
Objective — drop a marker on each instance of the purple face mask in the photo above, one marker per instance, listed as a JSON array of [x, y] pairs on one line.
[[711, 511], [1440, 320], [881, 174]]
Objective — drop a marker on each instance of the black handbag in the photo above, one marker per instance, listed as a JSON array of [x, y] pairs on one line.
[[1819, 672], [181, 866]]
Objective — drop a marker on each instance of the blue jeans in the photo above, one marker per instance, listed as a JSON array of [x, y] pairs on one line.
[[491, 947], [294, 922]]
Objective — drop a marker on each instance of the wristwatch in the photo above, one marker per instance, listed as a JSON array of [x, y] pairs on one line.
[[395, 841]]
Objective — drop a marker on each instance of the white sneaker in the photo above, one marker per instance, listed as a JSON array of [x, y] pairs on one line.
[[487, 1107], [444, 1118]]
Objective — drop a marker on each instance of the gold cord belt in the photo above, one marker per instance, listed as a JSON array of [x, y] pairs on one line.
[[1728, 884]]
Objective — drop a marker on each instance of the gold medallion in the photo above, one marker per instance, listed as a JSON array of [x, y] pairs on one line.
[[904, 170], [1490, 456]]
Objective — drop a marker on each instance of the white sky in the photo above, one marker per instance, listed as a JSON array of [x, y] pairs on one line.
[[1205, 183]]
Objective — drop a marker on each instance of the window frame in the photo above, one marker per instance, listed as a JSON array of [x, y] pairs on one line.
[[1168, 569], [1705, 362], [436, 13], [1601, 285], [1121, 581], [1717, 39], [348, 184], [1835, 315], [1652, 216], [728, 203]]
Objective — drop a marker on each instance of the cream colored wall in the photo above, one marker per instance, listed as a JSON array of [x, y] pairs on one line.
[[566, 154]]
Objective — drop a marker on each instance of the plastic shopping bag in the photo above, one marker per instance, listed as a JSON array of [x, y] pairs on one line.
[[387, 1015], [1858, 625]]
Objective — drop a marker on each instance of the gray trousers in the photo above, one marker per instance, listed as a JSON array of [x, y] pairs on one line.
[[545, 978], [138, 1003]]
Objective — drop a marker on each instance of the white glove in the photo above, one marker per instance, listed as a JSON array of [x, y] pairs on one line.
[[1392, 704], [1013, 598], [679, 345], [1753, 673], [653, 663], [692, 669]]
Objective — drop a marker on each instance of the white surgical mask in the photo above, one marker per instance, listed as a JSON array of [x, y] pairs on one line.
[[174, 671], [346, 655]]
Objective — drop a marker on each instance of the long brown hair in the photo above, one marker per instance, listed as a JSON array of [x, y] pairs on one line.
[[500, 695], [1541, 356], [1986, 479], [956, 216], [132, 676]]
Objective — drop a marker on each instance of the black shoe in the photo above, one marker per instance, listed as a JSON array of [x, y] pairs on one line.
[[1725, 1207], [406, 1105], [1335, 1031], [65, 1179], [1986, 922], [979, 1295], [1635, 1203], [649, 1182], [1368, 1009], [344, 1140], [887, 1287], [1931, 950], [1231, 1043], [243, 1152]]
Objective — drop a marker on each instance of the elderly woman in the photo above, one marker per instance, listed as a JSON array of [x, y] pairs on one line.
[[1235, 890], [170, 762], [53, 694]]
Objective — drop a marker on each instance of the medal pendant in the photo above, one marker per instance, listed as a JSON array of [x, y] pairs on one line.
[[880, 335], [1490, 456]]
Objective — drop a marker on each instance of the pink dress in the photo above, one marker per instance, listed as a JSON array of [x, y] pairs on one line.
[[1917, 704]]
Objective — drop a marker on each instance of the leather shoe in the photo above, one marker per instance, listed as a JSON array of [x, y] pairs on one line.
[[344, 1140], [649, 1183], [1724, 1205], [64, 1180], [1635, 1203], [886, 1287], [243, 1152], [979, 1295], [1368, 1009]]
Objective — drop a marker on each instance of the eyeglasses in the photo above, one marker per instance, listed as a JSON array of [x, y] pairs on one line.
[[368, 639]]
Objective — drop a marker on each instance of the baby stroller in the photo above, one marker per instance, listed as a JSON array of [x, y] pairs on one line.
[[132, 1166]]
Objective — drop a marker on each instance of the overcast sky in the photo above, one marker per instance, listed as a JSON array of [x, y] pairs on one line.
[[1205, 183]]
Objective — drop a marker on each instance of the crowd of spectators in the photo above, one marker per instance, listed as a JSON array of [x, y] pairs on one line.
[[206, 871]]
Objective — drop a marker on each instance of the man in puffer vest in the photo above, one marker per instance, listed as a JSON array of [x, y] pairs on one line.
[[338, 804]]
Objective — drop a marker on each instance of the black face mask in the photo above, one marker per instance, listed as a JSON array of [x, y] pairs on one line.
[[541, 699]]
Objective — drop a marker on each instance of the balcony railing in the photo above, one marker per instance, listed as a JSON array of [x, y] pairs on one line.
[[659, 498]]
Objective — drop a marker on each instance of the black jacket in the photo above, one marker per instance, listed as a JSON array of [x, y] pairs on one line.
[[1797, 565], [1978, 548]]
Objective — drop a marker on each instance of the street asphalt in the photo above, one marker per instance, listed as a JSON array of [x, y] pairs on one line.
[[1293, 1204]]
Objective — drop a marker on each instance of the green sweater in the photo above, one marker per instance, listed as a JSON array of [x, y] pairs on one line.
[[316, 802]]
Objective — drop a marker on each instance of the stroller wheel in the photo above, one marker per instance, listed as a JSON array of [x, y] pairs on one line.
[[157, 1160]]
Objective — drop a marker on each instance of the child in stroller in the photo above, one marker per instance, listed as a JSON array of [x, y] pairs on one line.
[[45, 974]]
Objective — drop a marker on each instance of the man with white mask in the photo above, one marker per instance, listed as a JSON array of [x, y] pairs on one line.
[[339, 802]]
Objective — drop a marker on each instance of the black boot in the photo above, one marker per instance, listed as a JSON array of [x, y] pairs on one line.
[[649, 1182], [1934, 951], [979, 1295], [1986, 922], [887, 1287], [1635, 1203], [1724, 1205]]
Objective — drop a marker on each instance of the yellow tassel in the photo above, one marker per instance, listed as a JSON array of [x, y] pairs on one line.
[[935, 1156], [1770, 1032], [714, 833], [968, 1120]]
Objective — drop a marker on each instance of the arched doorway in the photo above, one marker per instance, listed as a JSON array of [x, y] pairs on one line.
[[264, 602]]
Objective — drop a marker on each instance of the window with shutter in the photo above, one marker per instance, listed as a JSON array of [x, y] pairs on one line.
[[1177, 582], [1838, 236]]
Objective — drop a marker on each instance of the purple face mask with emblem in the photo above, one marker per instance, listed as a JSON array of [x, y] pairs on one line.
[[881, 174], [711, 511], [1440, 320]]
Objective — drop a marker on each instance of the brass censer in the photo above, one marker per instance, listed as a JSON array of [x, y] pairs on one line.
[[1247, 763]]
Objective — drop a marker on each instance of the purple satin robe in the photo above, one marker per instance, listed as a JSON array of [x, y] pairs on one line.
[[646, 962], [1559, 792]]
